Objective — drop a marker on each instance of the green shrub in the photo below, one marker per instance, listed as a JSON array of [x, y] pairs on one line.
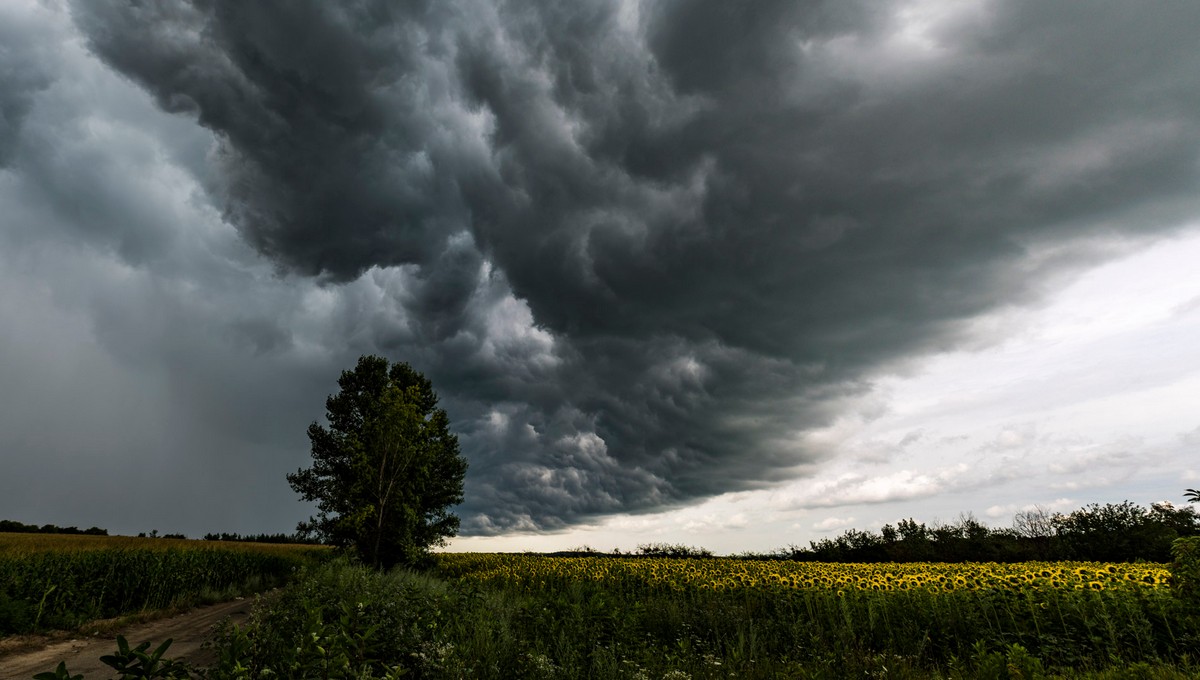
[[1185, 569], [14, 615]]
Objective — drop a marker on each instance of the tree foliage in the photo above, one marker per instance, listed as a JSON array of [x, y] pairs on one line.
[[1113, 532], [387, 469], [14, 527]]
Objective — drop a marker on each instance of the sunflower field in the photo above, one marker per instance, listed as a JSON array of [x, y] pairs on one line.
[[734, 574], [924, 615]]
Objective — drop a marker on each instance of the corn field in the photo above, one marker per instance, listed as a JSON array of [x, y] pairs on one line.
[[63, 581]]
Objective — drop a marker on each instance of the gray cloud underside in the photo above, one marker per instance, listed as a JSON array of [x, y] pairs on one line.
[[641, 248]]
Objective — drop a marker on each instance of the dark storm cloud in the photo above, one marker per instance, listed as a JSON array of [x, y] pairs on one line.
[[328, 118], [22, 74], [641, 248]]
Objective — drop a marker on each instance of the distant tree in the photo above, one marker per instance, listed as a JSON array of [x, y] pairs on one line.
[[1175, 521], [1122, 532], [1104, 533], [387, 470], [1191, 495], [1035, 523], [672, 550], [262, 538], [11, 526], [1034, 529]]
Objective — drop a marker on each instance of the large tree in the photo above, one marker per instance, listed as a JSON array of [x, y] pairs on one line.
[[387, 469]]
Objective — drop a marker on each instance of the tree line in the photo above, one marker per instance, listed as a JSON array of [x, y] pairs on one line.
[[14, 527], [263, 538], [1112, 532]]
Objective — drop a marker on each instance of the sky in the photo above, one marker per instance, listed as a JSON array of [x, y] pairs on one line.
[[735, 275]]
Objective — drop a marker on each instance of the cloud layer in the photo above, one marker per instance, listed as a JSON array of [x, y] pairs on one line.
[[641, 248]]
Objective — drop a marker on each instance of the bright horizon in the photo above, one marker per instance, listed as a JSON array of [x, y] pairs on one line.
[[1114, 445]]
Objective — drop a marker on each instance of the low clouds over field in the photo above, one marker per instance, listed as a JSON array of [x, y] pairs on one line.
[[647, 252]]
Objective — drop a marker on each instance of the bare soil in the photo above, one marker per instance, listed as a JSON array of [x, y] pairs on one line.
[[22, 657]]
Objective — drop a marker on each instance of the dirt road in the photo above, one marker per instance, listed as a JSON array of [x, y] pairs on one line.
[[188, 630]]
